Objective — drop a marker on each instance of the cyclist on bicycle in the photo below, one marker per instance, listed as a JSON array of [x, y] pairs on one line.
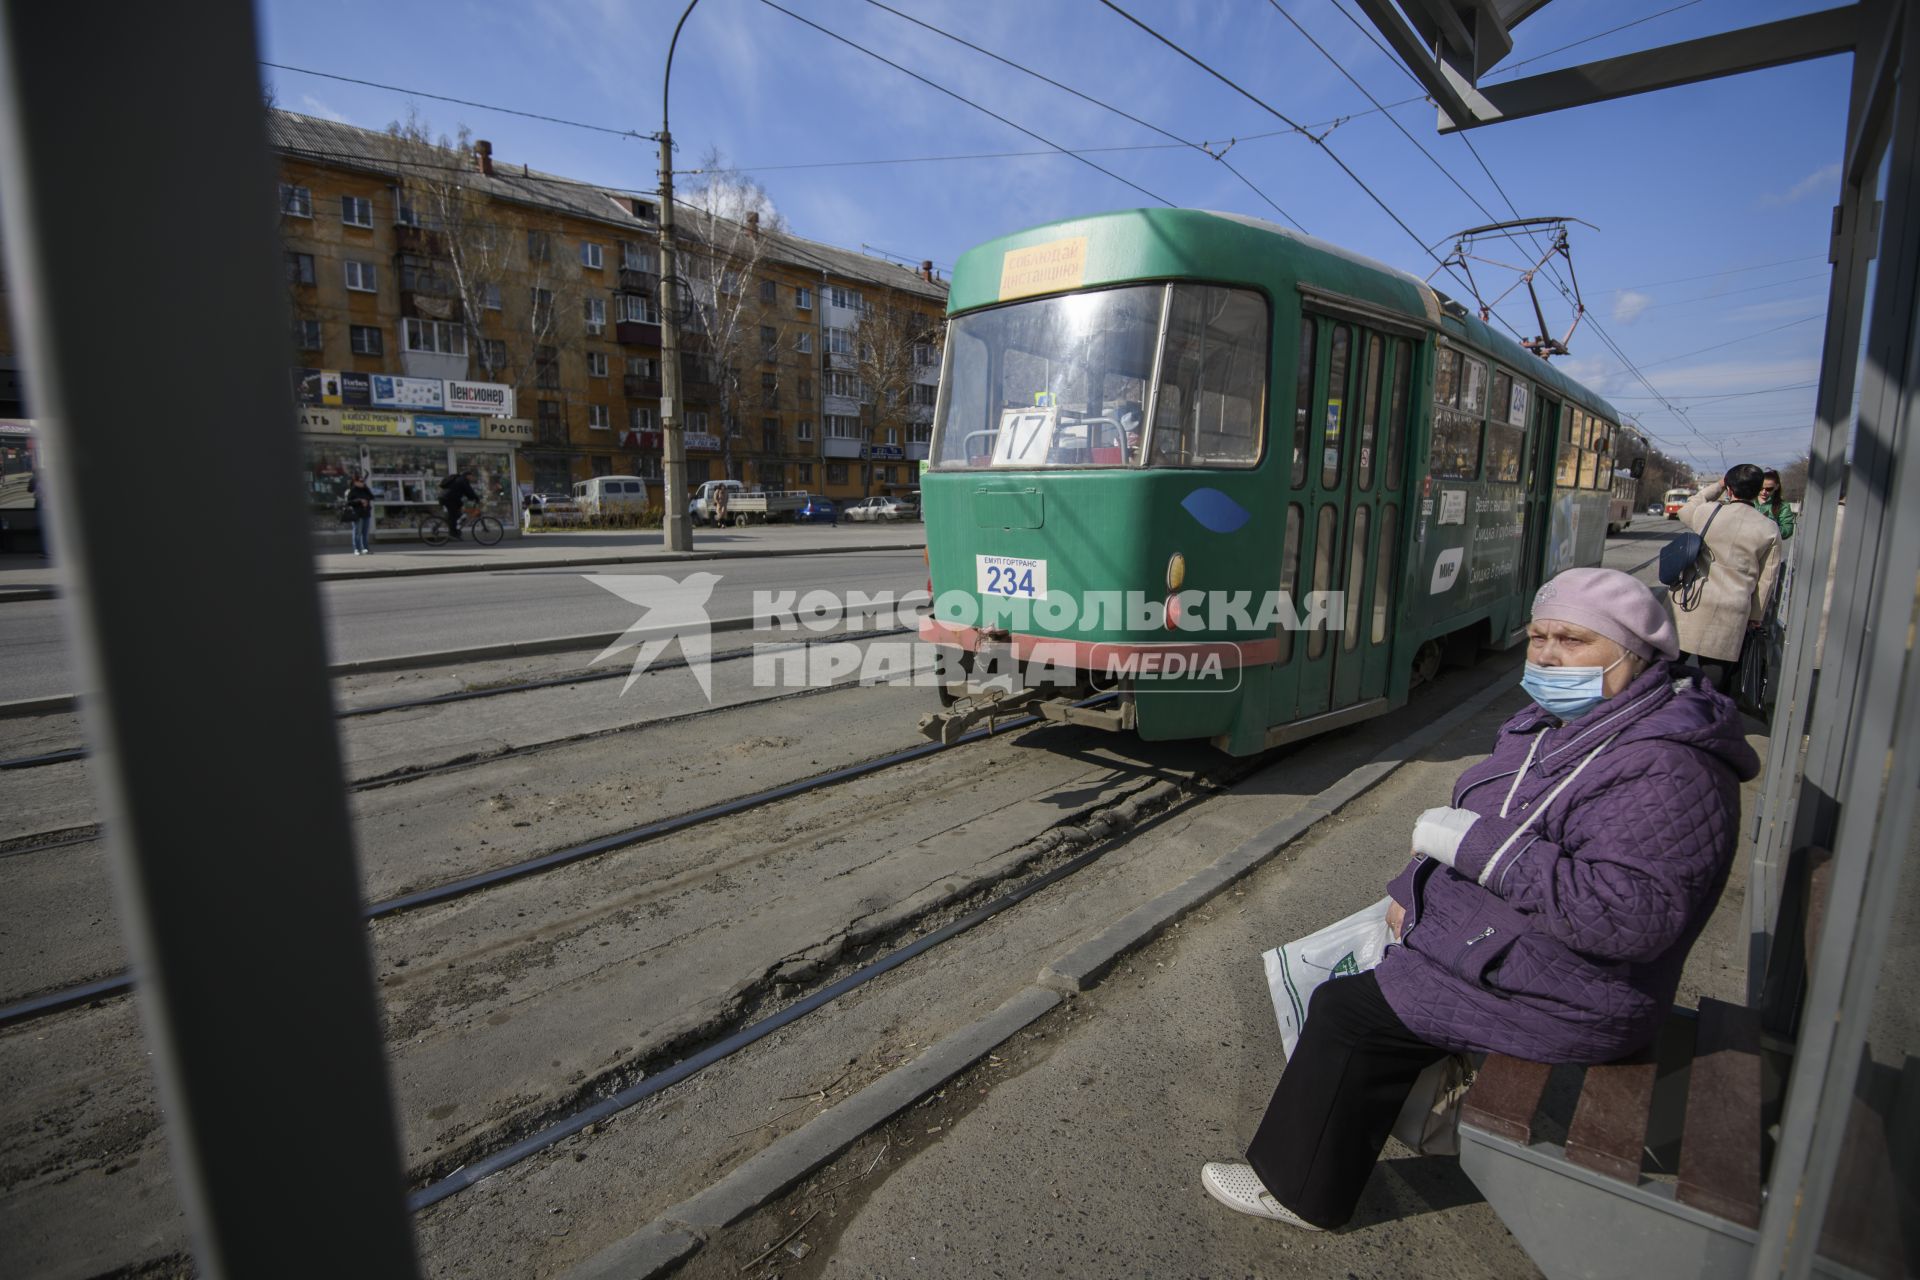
[[455, 492]]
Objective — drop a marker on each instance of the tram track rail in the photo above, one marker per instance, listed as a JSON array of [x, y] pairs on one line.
[[67, 755], [29, 1009]]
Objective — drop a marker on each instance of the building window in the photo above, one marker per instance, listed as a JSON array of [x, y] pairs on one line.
[[356, 211], [696, 421], [493, 354], [404, 214], [769, 342], [922, 434], [729, 282], [597, 417], [803, 429], [847, 385], [435, 336], [840, 427], [840, 341], [637, 257], [365, 339], [803, 298], [844, 298], [296, 201], [490, 296], [804, 342], [590, 255], [643, 367], [299, 268], [546, 368], [634, 309], [640, 417], [596, 312], [361, 277], [924, 355], [924, 393], [806, 473], [836, 473], [541, 300], [596, 364], [549, 413], [769, 291], [306, 335], [417, 275], [539, 247]]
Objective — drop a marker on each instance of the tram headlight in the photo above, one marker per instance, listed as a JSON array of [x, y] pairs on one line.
[[1176, 571]]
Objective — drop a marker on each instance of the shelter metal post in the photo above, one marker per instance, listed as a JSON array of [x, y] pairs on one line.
[[133, 152]]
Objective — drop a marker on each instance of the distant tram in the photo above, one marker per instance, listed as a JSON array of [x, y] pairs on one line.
[[1197, 409], [19, 485], [1626, 489]]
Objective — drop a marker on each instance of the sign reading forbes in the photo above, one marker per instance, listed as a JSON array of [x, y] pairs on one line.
[[480, 397]]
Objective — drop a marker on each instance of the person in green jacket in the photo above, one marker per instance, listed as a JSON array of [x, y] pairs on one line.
[[1772, 505]]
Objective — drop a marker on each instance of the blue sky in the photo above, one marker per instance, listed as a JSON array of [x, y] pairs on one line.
[[1712, 201]]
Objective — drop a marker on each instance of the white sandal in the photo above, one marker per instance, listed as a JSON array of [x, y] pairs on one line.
[[1239, 1188]]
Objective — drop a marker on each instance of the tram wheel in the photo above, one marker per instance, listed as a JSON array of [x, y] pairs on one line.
[[1426, 663]]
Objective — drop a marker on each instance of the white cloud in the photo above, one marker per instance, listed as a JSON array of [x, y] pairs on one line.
[[1629, 305], [315, 107], [1820, 180]]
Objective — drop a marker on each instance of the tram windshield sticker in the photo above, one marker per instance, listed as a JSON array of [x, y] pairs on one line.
[[1010, 576], [1044, 268], [1453, 506]]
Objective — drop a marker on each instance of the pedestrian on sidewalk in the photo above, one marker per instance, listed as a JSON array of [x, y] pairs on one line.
[[455, 492], [1548, 909], [1715, 611], [1773, 504], [359, 502]]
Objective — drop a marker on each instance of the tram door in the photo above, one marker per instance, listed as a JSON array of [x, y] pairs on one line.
[[1543, 430], [1349, 466]]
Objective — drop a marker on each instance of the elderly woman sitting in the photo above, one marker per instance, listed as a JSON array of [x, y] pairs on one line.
[[1547, 910]]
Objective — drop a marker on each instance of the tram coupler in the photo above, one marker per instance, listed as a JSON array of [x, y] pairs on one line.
[[948, 726]]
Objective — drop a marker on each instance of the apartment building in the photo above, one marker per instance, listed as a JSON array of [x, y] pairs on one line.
[[444, 264]]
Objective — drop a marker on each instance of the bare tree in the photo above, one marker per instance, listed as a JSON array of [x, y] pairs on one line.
[[470, 258], [725, 221], [890, 342]]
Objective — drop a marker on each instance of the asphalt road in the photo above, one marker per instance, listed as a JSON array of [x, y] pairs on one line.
[[391, 617]]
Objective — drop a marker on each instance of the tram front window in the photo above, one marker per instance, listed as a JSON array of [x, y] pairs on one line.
[[1068, 381]]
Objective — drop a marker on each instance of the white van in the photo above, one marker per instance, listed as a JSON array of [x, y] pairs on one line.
[[610, 495]]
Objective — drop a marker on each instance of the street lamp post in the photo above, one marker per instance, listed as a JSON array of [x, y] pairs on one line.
[[674, 524]]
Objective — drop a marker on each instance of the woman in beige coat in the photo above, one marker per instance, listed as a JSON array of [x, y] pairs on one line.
[[1742, 556]]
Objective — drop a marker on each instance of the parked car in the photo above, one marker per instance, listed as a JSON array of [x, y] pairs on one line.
[[611, 495], [881, 508], [816, 510]]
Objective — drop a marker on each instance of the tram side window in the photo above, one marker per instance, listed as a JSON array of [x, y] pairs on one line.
[[1290, 576], [1332, 441], [1567, 467], [1456, 432], [1213, 379], [1603, 455], [1505, 441], [1369, 413], [1446, 376]]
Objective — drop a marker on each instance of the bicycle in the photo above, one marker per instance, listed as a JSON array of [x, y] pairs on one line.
[[485, 529]]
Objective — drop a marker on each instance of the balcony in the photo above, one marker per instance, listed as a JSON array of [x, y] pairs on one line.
[[640, 386], [837, 447], [641, 282], [429, 304], [632, 333], [408, 238]]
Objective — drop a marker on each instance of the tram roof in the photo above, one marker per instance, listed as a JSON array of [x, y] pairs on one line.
[[1134, 244]]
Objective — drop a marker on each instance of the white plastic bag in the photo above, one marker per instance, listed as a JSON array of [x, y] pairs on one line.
[[1429, 1120], [1344, 948]]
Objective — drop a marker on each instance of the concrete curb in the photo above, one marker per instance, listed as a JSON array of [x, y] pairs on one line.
[[577, 562], [39, 706], [683, 1229], [680, 1232], [9, 595]]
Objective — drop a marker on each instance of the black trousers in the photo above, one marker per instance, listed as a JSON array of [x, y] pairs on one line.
[[1336, 1103], [1718, 671]]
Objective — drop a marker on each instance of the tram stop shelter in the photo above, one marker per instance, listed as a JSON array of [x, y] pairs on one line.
[[1830, 1160]]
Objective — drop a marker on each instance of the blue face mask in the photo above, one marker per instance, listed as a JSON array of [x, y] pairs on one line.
[[1567, 692]]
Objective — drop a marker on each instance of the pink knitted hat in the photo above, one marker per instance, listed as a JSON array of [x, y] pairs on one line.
[[1612, 604]]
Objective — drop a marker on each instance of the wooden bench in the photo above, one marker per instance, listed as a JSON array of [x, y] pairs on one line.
[[1660, 1169], [1607, 1199]]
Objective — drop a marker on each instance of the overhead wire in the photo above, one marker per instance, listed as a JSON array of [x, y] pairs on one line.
[[464, 102], [957, 97], [1089, 98], [1734, 342]]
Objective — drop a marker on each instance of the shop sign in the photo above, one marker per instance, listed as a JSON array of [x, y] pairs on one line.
[[479, 397], [312, 419], [355, 388], [358, 422], [407, 393], [886, 452], [435, 424], [316, 386], [507, 428], [702, 440]]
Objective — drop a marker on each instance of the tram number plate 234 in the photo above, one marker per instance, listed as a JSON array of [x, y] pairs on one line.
[[1011, 576]]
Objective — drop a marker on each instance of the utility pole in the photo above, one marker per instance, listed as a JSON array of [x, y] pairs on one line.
[[673, 521], [676, 529]]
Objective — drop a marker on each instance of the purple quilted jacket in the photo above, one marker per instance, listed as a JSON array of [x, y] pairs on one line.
[[1564, 943]]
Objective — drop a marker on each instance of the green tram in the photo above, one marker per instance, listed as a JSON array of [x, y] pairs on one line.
[[1253, 484]]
